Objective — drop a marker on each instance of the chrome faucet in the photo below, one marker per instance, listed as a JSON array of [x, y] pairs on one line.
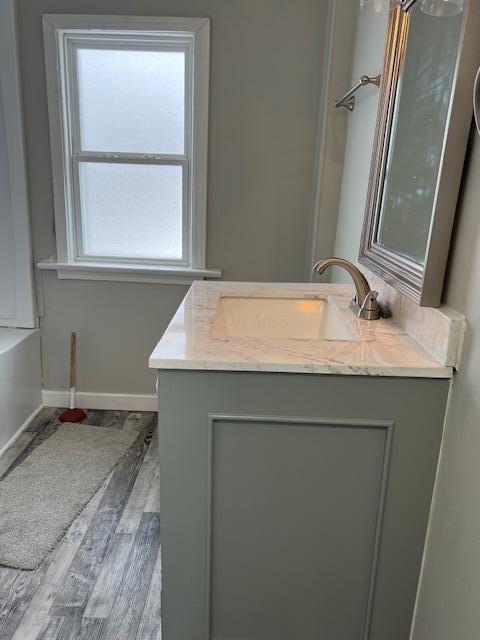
[[364, 304]]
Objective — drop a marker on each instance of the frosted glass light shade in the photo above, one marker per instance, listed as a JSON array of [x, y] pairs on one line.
[[131, 101], [442, 8], [131, 210], [375, 6]]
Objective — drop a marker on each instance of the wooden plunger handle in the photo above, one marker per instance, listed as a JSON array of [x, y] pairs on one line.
[[73, 358]]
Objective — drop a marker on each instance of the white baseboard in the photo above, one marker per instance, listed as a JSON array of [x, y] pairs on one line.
[[19, 431], [90, 400]]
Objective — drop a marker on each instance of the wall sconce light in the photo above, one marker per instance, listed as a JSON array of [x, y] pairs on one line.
[[442, 8], [375, 6], [435, 8]]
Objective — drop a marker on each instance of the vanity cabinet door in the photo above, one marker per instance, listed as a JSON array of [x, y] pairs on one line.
[[294, 507]]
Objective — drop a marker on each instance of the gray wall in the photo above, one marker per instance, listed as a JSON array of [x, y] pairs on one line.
[[448, 603], [368, 58], [333, 125], [266, 65], [7, 257]]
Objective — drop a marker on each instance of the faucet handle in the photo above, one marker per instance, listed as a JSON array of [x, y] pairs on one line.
[[369, 309], [370, 303]]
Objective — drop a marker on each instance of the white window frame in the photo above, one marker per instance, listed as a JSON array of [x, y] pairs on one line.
[[62, 34]]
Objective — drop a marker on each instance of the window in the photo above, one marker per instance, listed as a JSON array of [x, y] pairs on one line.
[[128, 108]]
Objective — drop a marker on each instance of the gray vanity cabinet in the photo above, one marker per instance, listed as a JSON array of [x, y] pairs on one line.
[[294, 506]]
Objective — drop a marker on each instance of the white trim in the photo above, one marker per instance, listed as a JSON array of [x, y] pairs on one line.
[[194, 35], [91, 400], [125, 23], [56, 143], [20, 430], [127, 272], [199, 164], [24, 312]]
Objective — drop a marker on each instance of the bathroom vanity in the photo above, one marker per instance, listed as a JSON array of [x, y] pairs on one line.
[[298, 448]]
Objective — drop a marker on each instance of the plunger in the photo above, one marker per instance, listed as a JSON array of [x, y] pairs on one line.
[[73, 414]]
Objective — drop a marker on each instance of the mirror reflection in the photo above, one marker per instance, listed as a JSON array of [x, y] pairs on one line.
[[418, 127]]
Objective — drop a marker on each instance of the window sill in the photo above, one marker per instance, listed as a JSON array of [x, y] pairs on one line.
[[127, 272]]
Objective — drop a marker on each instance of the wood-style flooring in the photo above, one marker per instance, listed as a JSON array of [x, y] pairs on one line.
[[103, 579]]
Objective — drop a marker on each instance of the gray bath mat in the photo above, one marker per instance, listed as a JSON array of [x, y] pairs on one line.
[[42, 496]]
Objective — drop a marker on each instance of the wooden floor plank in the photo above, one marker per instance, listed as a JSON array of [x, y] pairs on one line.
[[10, 456], [136, 503], [101, 599], [150, 622], [50, 629], [77, 627], [139, 421], [7, 579], [132, 595], [14, 605], [44, 416], [152, 503]]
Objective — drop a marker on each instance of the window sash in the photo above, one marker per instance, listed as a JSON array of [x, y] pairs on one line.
[[133, 44], [77, 235], [76, 154]]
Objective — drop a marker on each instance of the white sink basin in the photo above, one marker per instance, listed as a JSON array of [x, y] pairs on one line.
[[282, 317]]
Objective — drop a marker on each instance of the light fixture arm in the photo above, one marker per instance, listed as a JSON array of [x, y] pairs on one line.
[[406, 5]]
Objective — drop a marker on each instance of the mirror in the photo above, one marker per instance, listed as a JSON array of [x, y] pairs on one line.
[[418, 126], [422, 129]]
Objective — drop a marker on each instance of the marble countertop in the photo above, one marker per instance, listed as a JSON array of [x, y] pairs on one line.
[[378, 348]]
